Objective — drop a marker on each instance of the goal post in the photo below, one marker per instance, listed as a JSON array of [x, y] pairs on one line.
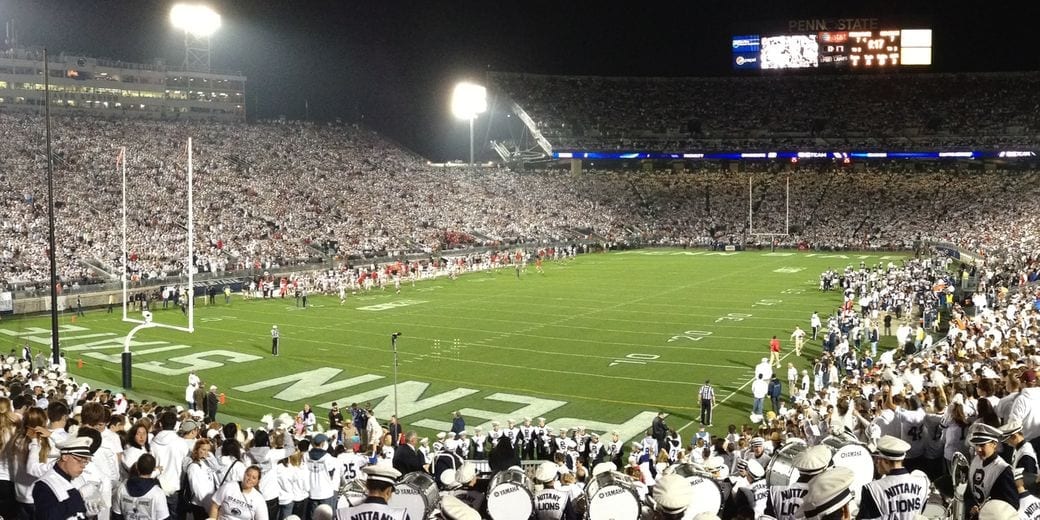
[[751, 211], [146, 320]]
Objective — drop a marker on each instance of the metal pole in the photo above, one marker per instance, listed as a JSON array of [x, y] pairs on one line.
[[749, 202], [393, 343], [191, 244], [55, 348], [471, 140], [787, 202], [122, 154]]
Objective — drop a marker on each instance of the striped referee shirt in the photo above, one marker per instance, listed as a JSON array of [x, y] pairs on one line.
[[707, 393]]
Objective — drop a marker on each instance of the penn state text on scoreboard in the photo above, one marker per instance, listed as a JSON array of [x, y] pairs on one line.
[[854, 49]]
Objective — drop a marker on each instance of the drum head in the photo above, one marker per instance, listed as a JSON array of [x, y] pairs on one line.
[[934, 511], [508, 501], [416, 493], [410, 499], [707, 497], [856, 458], [613, 501]]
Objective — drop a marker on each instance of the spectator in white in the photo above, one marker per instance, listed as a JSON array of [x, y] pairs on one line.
[[759, 388], [309, 418], [293, 482], [140, 496], [374, 431], [240, 500], [189, 396], [170, 453], [136, 445], [322, 474], [764, 370], [199, 480], [263, 456], [231, 465], [1025, 409]]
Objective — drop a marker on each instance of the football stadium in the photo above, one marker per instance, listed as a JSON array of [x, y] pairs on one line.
[[803, 285]]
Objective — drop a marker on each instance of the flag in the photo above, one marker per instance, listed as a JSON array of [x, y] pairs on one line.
[[120, 157]]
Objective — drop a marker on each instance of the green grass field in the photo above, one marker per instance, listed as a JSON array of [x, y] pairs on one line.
[[604, 340]]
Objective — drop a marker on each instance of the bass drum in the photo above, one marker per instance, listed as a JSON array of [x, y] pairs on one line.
[[854, 456], [613, 496], [707, 493], [781, 470], [416, 493], [510, 496]]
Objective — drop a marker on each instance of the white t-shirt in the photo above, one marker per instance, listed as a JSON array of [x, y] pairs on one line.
[[234, 505]]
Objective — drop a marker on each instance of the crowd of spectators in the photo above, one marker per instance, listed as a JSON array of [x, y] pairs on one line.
[[876, 111]]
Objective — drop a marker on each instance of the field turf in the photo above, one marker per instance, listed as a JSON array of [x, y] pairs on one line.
[[603, 340]]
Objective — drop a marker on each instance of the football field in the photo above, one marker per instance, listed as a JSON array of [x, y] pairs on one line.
[[603, 340]]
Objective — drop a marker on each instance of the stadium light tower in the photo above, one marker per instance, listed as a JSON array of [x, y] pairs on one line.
[[467, 102], [198, 22]]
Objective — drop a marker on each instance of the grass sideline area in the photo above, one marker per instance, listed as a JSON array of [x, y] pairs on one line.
[[601, 340]]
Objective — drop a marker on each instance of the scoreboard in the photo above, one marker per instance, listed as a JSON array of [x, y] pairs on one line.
[[853, 49]]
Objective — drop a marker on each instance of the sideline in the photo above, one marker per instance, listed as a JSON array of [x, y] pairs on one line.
[[222, 418]]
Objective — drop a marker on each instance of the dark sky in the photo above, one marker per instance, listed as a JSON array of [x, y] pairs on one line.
[[393, 63]]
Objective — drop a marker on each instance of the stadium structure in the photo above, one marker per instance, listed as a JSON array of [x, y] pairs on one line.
[[730, 210], [112, 88]]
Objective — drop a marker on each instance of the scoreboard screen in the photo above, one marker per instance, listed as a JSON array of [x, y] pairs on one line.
[[873, 49]]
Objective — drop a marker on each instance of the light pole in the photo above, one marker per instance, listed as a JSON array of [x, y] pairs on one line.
[[393, 344], [198, 22], [467, 102]]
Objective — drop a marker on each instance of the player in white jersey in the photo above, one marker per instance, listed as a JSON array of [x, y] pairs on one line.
[[910, 417], [352, 463]]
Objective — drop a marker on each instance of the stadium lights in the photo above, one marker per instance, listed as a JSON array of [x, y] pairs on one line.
[[467, 102], [198, 20]]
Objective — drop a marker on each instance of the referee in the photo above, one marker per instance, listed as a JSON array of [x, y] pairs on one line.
[[707, 402], [274, 340]]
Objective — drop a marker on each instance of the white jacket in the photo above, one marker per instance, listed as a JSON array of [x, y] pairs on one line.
[[1026, 408], [171, 453]]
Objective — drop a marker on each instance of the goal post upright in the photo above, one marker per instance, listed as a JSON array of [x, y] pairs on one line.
[[189, 265]]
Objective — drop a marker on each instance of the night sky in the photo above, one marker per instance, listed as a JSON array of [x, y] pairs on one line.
[[391, 64]]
